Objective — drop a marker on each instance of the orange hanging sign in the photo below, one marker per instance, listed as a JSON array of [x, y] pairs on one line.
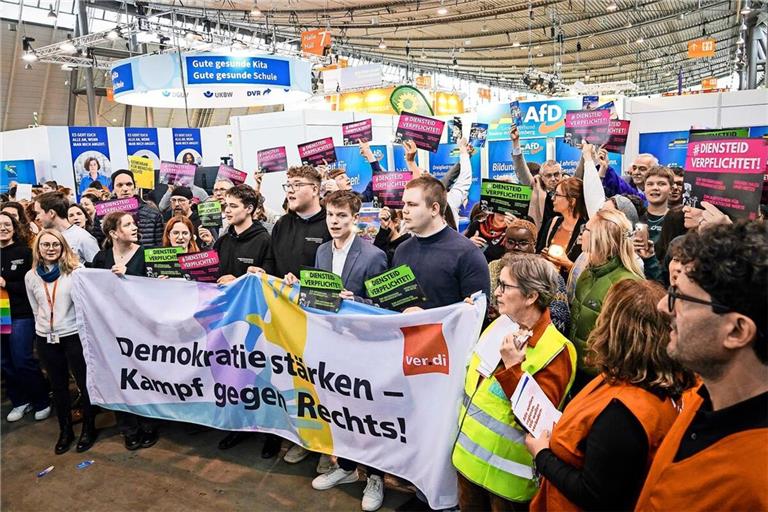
[[424, 82], [314, 42], [709, 83], [701, 48]]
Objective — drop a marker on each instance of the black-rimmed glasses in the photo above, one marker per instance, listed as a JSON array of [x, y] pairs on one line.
[[673, 294]]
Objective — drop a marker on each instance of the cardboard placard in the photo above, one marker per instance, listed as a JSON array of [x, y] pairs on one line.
[[617, 136], [200, 266], [320, 289], [272, 159], [389, 187], [424, 131], [128, 205], [356, 131], [587, 125], [318, 152], [24, 192], [590, 102], [368, 223], [178, 175], [210, 214], [143, 170], [728, 173], [230, 173], [516, 113], [478, 134], [455, 129], [395, 289], [503, 196], [163, 261]]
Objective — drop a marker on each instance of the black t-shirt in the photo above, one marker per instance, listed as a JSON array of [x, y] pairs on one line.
[[134, 267], [654, 227], [16, 260]]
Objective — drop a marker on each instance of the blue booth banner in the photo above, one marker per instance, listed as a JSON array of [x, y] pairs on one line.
[[210, 80], [187, 146], [500, 162], [539, 118], [357, 167], [446, 156], [758, 131], [669, 147], [20, 171], [143, 142], [89, 146], [568, 157]]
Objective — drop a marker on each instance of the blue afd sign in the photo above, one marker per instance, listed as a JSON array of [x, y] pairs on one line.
[[122, 78], [539, 118], [500, 163], [222, 69]]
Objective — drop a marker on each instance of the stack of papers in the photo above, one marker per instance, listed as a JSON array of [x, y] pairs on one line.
[[532, 408]]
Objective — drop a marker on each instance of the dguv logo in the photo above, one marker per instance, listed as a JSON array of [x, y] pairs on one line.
[[424, 350]]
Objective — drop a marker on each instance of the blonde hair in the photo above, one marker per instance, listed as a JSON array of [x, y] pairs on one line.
[[611, 237], [68, 260]]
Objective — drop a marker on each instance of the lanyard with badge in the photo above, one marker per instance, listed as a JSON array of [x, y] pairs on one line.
[[52, 337]]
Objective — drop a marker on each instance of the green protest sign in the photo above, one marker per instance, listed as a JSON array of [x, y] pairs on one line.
[[210, 214], [163, 261], [395, 289], [320, 289], [502, 197]]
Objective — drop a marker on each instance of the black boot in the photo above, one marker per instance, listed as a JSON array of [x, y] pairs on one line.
[[88, 435], [233, 439], [271, 447], [66, 436]]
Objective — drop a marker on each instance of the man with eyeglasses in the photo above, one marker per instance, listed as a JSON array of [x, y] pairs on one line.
[[638, 171], [714, 456], [542, 185]]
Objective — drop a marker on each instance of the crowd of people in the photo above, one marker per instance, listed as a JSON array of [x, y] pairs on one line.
[[643, 320]]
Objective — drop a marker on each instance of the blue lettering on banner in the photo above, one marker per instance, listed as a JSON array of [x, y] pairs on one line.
[[142, 141], [122, 78], [568, 157], [221, 69], [500, 163], [187, 140]]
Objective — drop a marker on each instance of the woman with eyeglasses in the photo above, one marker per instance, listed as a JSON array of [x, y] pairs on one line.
[[178, 233], [49, 289], [608, 238], [24, 382], [557, 238], [520, 237], [495, 470], [599, 452]]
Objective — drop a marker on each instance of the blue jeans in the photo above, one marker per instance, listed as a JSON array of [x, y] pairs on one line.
[[24, 380]]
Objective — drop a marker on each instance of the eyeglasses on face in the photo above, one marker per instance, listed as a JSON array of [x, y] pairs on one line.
[[673, 294], [551, 176], [501, 284], [50, 245], [294, 186], [517, 243]]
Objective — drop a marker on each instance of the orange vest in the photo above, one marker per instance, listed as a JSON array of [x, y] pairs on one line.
[[656, 417], [729, 475]]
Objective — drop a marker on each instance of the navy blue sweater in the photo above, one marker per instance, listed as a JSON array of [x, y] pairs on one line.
[[447, 266]]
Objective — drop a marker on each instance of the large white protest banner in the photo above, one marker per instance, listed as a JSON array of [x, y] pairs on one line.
[[378, 388]]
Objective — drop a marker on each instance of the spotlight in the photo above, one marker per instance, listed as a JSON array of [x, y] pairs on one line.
[[468, 42], [455, 63], [67, 67], [612, 7], [640, 39], [67, 46], [382, 44], [442, 11], [27, 66], [51, 12], [516, 44], [746, 10], [485, 27]]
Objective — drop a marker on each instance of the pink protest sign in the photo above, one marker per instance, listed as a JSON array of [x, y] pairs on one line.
[[200, 266], [172, 173], [388, 187], [617, 136], [128, 205], [356, 131], [424, 131], [272, 159], [727, 173], [318, 152], [235, 176], [587, 125]]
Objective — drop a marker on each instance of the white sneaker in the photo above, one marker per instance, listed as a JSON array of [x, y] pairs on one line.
[[18, 412], [295, 454], [325, 464], [43, 414], [373, 495], [334, 478]]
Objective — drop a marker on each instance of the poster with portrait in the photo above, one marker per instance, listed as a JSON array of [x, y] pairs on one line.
[[187, 146], [89, 146]]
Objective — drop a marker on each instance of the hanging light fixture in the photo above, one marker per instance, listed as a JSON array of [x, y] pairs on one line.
[[29, 53], [67, 46], [640, 38], [382, 44], [51, 12], [516, 44], [442, 10], [612, 7]]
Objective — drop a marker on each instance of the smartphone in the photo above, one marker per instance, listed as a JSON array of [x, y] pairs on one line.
[[641, 233]]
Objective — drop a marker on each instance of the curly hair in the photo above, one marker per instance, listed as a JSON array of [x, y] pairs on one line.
[[522, 224], [630, 338], [730, 263], [307, 172]]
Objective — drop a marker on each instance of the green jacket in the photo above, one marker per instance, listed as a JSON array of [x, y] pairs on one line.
[[591, 288]]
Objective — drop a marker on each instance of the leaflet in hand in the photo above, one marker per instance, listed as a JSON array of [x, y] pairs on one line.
[[489, 345], [532, 408]]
